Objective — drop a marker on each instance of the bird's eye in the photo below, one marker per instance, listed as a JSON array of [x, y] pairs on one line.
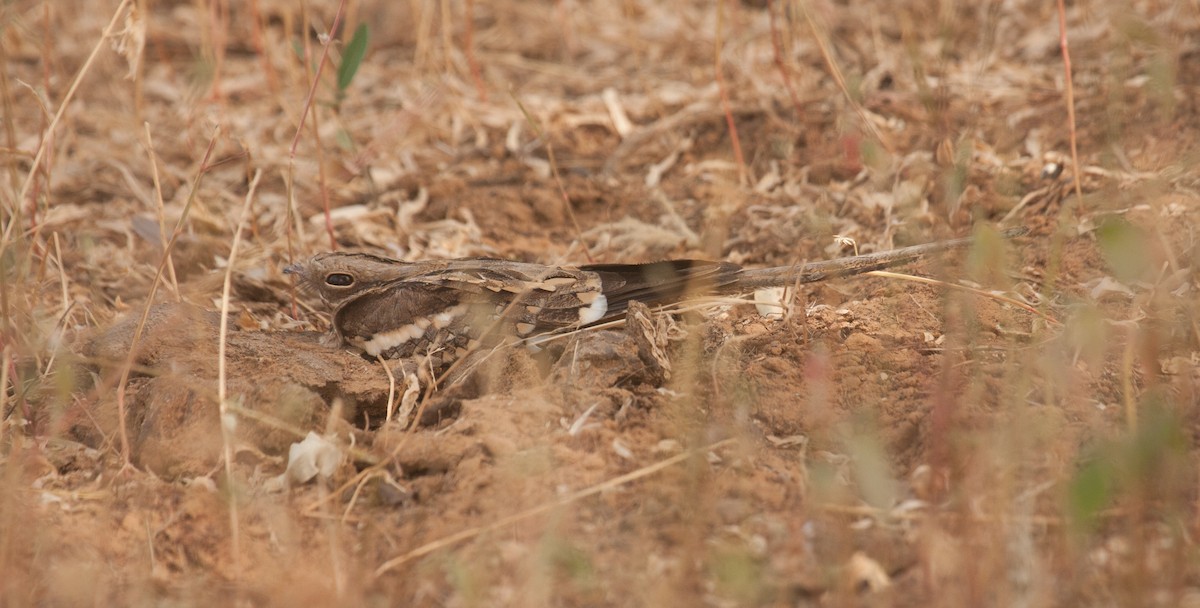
[[339, 279]]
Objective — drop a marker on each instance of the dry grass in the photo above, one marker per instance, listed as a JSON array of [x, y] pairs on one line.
[[1020, 431]]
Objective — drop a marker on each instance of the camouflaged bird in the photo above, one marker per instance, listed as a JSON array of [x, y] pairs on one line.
[[442, 309]]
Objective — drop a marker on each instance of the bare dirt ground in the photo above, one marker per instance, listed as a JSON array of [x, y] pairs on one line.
[[886, 442]]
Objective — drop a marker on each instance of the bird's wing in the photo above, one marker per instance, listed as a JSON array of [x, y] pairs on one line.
[[657, 283], [535, 298]]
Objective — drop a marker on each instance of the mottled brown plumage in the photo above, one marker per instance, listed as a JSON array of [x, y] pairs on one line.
[[396, 309]]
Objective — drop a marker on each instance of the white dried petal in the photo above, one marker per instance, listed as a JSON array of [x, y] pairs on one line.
[[314, 456]]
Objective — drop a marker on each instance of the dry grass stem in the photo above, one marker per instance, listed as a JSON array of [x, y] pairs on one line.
[[979, 292], [1070, 98], [544, 508], [162, 216], [562, 190], [48, 134], [836, 72], [228, 420], [127, 367], [723, 90]]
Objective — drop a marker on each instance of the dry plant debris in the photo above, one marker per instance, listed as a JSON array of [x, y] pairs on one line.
[[1021, 431]]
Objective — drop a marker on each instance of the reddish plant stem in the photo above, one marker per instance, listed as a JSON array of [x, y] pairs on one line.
[[469, 51], [777, 45], [725, 105], [312, 93], [1066, 53]]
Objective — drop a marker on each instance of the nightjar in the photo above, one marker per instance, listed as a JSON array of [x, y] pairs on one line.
[[443, 309]]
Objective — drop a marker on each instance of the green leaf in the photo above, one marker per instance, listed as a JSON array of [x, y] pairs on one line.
[[344, 141], [1090, 492], [739, 576], [1124, 248], [352, 57]]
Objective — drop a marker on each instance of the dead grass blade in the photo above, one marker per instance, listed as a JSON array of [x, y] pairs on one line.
[[836, 72], [615, 482], [127, 366], [562, 190], [1066, 54], [308, 103], [43, 146], [784, 73], [726, 107], [972, 290], [469, 51], [162, 219], [228, 421], [5, 363]]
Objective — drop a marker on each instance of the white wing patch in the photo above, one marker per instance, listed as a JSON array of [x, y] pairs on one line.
[[444, 318], [387, 340], [595, 311]]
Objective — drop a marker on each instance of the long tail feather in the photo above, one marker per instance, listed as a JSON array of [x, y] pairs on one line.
[[819, 271]]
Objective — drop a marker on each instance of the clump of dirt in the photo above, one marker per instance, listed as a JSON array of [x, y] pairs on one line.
[[171, 412]]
